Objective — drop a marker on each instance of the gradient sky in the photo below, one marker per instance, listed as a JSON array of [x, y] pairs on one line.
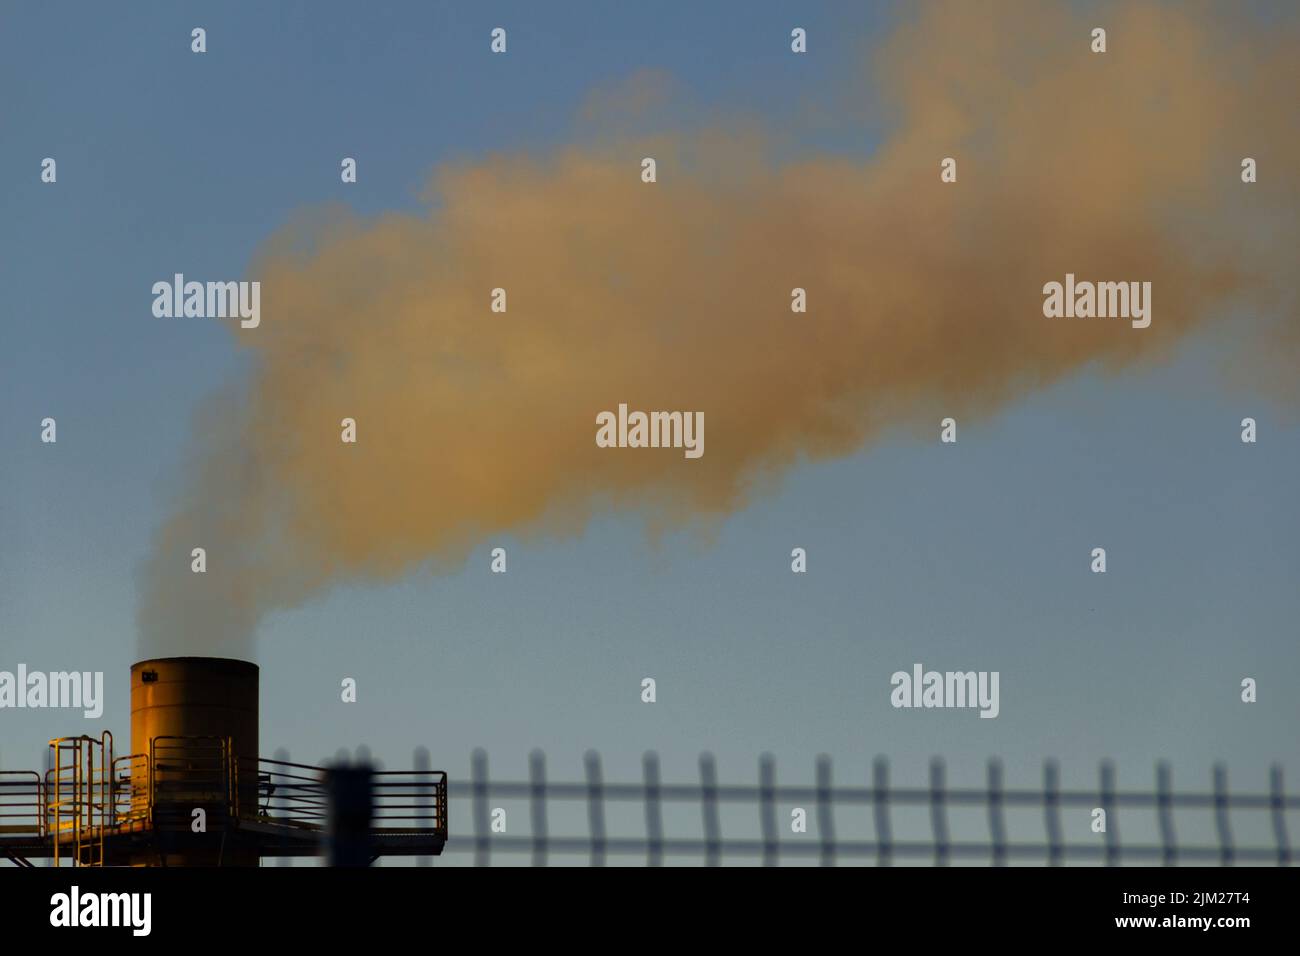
[[973, 556]]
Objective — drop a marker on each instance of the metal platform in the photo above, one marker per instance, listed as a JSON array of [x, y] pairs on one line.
[[93, 809]]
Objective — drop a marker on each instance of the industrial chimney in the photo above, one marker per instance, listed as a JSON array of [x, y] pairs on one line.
[[196, 718], [193, 791]]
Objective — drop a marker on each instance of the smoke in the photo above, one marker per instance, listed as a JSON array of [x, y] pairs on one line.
[[924, 300]]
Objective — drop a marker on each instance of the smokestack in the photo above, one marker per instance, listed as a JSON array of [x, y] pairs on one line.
[[196, 718]]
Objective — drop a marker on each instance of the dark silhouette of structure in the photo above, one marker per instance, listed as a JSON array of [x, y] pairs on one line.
[[193, 791]]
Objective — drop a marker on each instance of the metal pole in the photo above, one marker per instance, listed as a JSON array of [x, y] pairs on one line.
[[350, 802]]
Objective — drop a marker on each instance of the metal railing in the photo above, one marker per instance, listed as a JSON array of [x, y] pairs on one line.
[[869, 806], [289, 794], [22, 803], [131, 804], [83, 801], [188, 772], [293, 795], [88, 798], [78, 798], [409, 799]]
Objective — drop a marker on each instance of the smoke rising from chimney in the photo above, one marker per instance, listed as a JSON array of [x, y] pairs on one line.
[[924, 300]]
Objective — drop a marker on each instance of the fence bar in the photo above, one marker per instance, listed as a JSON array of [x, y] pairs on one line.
[[1221, 823], [595, 808], [1164, 788], [1052, 812], [537, 804], [938, 818], [1112, 816], [880, 797], [767, 807], [825, 811], [654, 818], [997, 822], [1277, 799], [709, 807], [478, 772]]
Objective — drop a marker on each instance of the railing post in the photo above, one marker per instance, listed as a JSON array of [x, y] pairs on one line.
[[57, 803], [47, 802], [108, 801], [76, 806], [149, 767], [230, 767], [280, 803]]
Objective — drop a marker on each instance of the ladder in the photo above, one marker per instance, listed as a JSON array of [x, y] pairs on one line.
[[79, 798]]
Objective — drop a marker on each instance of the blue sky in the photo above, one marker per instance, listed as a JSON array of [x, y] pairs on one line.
[[973, 556]]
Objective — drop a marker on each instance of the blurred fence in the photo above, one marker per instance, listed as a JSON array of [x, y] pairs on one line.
[[869, 820], [827, 804]]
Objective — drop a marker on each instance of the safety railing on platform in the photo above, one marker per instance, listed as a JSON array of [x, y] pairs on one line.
[[410, 800], [131, 789], [22, 803], [88, 796], [78, 798], [293, 795], [189, 772], [288, 794]]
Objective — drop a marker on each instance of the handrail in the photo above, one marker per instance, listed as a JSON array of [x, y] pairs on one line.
[[89, 794], [19, 794], [189, 769], [136, 799], [75, 800], [404, 801]]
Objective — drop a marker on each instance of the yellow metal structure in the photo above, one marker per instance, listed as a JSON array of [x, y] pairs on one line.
[[193, 791], [79, 804]]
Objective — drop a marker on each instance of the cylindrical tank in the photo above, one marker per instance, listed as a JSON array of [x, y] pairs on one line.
[[195, 697], [196, 718]]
